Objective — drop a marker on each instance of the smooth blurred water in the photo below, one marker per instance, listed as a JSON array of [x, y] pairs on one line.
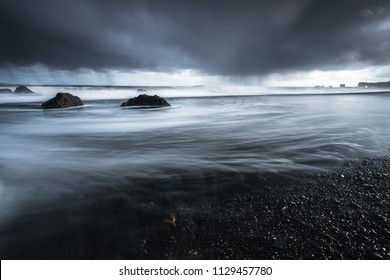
[[54, 159]]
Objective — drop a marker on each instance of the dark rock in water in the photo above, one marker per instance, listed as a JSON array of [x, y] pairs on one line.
[[5, 90], [141, 90], [146, 100], [22, 89], [62, 100]]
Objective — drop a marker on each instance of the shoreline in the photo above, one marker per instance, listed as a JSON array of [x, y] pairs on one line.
[[336, 215]]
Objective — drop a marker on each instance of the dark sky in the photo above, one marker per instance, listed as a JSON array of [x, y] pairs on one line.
[[221, 37]]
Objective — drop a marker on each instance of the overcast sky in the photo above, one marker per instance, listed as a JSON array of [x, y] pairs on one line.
[[116, 41]]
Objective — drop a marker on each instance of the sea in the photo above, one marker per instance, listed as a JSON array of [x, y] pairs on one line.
[[103, 181]]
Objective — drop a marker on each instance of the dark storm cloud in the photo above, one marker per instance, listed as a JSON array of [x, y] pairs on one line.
[[222, 37]]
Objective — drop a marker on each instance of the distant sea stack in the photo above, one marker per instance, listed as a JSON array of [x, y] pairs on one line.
[[62, 100], [374, 85], [5, 90], [146, 100], [141, 90], [22, 89]]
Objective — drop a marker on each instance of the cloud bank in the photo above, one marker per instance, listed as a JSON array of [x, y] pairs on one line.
[[219, 37]]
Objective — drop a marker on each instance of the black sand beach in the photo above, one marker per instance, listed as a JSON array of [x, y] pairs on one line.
[[240, 177], [336, 215], [195, 130]]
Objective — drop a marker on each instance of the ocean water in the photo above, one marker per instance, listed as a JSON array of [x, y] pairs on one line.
[[74, 180]]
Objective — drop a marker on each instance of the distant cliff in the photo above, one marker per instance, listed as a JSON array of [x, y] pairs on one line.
[[374, 85]]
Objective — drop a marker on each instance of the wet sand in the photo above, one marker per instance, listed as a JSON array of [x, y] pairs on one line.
[[338, 215]]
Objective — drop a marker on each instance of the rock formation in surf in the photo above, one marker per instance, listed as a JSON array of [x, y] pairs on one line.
[[22, 89], [62, 100], [146, 100], [5, 90]]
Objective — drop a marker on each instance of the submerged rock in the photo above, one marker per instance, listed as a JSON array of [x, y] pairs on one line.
[[146, 100], [141, 90], [5, 90], [62, 100], [23, 89]]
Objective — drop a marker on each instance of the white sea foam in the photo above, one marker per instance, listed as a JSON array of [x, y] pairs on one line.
[[43, 93]]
